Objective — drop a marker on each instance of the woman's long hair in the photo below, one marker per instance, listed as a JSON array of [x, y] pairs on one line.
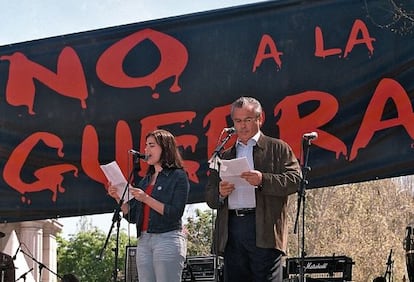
[[170, 155]]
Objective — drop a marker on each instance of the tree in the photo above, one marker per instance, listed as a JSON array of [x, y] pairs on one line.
[[363, 221], [80, 254], [199, 233]]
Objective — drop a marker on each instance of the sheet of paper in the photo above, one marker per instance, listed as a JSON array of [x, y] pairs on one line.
[[230, 170], [114, 174], [244, 194]]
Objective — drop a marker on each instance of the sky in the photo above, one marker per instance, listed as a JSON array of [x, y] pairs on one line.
[[25, 20]]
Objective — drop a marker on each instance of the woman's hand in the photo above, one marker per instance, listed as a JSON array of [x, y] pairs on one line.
[[113, 192], [139, 194]]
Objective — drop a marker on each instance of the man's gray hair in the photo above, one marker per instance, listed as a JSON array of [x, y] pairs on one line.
[[247, 101]]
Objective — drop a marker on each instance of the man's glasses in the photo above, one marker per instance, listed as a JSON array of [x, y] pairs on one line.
[[245, 120]]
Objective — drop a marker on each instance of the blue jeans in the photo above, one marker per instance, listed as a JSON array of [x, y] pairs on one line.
[[161, 256], [243, 261]]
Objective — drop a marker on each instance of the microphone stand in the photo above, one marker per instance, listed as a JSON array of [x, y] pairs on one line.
[[220, 147], [117, 218], [213, 159], [41, 266], [24, 275], [388, 271], [3, 268], [409, 251], [301, 199]]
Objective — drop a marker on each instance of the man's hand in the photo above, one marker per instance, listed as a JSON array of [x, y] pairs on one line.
[[225, 188], [254, 177]]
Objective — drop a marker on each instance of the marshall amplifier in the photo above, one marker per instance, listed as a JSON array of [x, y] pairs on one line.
[[332, 269]]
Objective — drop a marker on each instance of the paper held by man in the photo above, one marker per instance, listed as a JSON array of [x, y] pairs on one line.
[[114, 175], [243, 195], [230, 170]]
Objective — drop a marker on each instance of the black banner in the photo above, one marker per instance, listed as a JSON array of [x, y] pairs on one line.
[[343, 69]]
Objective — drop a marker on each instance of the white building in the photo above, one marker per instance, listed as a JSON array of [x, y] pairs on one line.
[[38, 246]]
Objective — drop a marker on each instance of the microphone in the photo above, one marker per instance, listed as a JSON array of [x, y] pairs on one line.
[[17, 251], [24, 275], [138, 154], [409, 240], [310, 136], [389, 261], [229, 130]]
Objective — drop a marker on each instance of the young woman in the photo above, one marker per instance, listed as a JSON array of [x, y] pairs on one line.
[[156, 209]]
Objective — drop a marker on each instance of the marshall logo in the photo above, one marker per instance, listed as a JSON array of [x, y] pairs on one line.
[[315, 266]]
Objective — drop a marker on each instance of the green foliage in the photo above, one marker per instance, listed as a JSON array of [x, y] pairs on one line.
[[199, 233], [80, 254]]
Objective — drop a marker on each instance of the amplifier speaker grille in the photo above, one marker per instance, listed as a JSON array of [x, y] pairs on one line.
[[131, 273]]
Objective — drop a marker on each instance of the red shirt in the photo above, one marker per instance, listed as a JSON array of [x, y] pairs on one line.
[[146, 211]]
